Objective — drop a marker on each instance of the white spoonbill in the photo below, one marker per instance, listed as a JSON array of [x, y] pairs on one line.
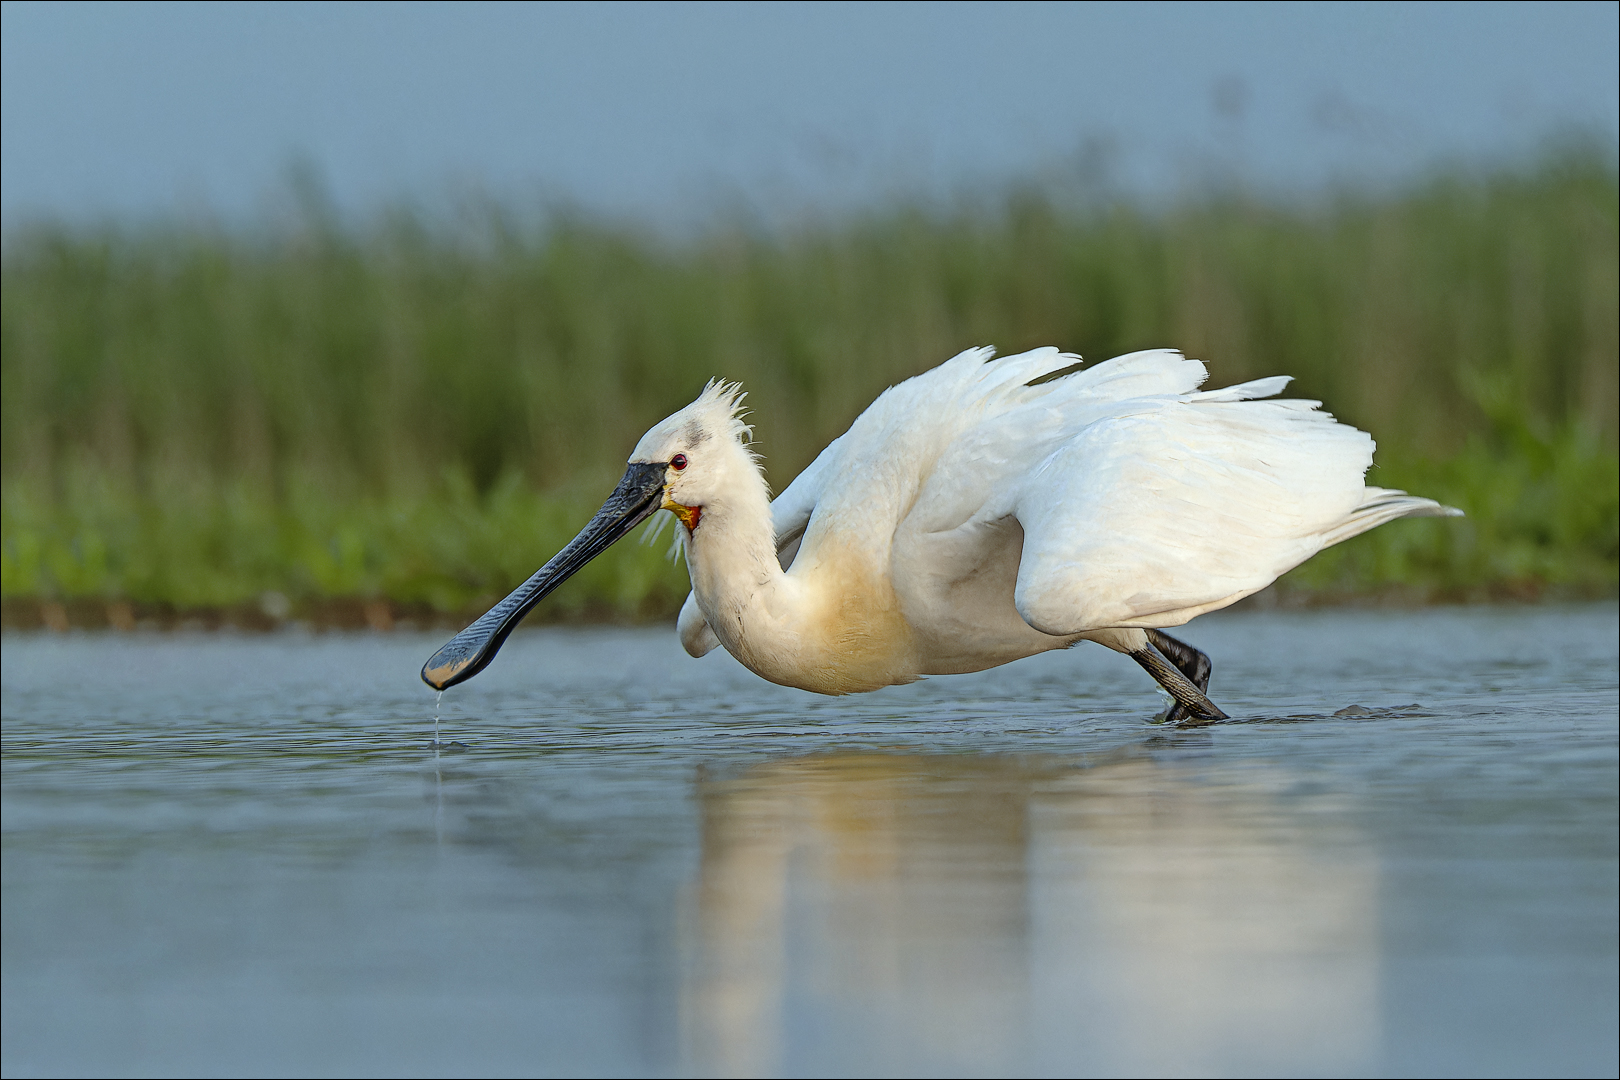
[[984, 511]]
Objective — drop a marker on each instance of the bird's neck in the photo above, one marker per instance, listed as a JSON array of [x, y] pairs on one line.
[[731, 556], [832, 626]]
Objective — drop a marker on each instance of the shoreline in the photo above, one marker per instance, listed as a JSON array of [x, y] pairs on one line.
[[385, 616]]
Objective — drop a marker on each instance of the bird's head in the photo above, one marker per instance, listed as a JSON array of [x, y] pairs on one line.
[[685, 464], [702, 451]]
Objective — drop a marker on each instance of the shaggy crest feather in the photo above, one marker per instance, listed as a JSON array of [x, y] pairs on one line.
[[720, 407]]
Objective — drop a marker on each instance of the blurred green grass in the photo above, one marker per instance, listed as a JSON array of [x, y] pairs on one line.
[[423, 410]]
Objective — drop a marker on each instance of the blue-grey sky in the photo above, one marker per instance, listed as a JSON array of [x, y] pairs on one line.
[[664, 110]]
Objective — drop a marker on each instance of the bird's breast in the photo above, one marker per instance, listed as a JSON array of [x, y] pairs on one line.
[[834, 626]]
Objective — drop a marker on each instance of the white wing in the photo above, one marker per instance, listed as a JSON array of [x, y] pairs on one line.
[[693, 629], [791, 510], [999, 431], [1172, 506]]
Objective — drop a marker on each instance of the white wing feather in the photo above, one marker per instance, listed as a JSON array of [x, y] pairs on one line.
[[1171, 507]]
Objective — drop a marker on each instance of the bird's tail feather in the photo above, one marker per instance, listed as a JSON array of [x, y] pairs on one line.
[[1381, 505]]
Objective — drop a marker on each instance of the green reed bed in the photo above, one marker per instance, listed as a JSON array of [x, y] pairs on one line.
[[423, 412]]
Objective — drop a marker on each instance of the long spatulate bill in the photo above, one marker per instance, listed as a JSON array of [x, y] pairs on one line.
[[638, 495]]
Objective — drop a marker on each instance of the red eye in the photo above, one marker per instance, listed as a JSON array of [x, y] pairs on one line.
[[678, 462]]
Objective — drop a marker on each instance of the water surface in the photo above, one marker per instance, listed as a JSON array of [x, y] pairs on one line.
[[241, 855]]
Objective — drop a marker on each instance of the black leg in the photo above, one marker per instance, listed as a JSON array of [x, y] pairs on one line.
[[1193, 663], [1184, 672]]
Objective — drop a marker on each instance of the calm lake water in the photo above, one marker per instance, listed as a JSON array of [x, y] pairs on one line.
[[240, 855]]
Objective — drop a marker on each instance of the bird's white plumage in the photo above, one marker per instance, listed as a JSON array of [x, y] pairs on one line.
[[968, 518]]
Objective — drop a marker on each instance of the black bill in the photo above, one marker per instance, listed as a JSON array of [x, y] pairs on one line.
[[638, 495]]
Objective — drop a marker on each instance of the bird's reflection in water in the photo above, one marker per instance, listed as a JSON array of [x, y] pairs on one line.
[[955, 914]]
